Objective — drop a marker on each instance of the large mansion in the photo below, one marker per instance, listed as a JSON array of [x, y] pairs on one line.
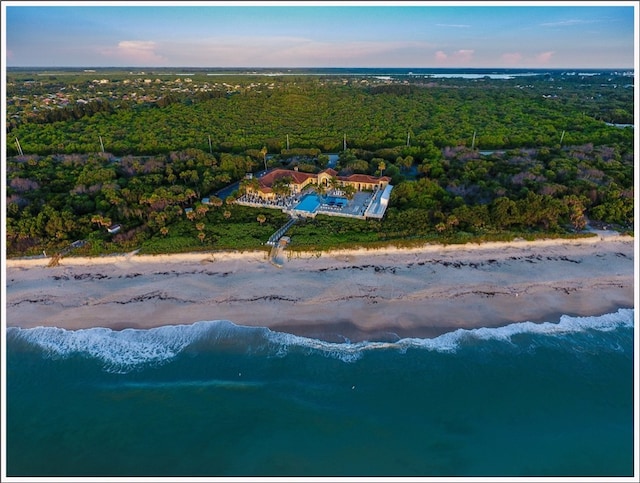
[[328, 177]]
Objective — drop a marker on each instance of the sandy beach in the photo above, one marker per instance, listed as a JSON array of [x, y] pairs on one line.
[[354, 294]]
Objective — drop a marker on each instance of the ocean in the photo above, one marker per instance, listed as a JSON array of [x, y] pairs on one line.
[[216, 399]]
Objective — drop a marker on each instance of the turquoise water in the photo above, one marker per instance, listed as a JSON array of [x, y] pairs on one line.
[[309, 202], [216, 399], [336, 200]]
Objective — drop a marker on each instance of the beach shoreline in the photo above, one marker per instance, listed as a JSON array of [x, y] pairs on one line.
[[354, 295]]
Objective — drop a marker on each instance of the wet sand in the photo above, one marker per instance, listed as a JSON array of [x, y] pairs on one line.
[[349, 294]]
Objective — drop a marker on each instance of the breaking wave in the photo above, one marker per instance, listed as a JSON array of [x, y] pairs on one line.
[[134, 349]]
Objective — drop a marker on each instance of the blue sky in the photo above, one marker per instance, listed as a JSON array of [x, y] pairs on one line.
[[320, 34]]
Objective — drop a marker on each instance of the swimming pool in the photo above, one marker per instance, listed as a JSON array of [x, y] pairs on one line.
[[309, 203], [336, 200]]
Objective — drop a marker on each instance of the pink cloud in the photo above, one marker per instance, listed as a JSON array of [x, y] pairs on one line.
[[441, 56], [138, 52], [512, 57], [544, 57], [462, 56]]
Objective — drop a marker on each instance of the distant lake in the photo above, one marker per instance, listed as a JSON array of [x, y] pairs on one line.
[[479, 76], [387, 73]]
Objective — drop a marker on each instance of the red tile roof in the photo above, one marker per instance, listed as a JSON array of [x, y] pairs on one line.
[[364, 178], [267, 180], [356, 178], [330, 172]]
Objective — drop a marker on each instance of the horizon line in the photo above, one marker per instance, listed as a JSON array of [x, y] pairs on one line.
[[299, 68]]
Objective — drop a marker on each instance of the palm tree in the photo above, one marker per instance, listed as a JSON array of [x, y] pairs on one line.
[[215, 201], [226, 214], [97, 219], [349, 191], [282, 186], [242, 187], [381, 167], [247, 185], [201, 210], [404, 163], [201, 236], [264, 156], [261, 219], [452, 221], [189, 194], [100, 220], [321, 189], [575, 206]]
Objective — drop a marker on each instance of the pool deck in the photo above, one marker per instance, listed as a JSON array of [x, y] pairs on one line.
[[376, 206], [363, 205]]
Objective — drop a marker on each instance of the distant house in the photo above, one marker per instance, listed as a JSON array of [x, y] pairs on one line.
[[206, 201], [358, 181], [114, 229], [300, 180]]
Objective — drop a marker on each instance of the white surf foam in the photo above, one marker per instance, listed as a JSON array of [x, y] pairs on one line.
[[126, 350], [451, 341], [120, 351]]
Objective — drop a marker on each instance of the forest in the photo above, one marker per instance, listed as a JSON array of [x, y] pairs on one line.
[[470, 160]]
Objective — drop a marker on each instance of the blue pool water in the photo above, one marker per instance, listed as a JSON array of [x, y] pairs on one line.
[[309, 203], [336, 200]]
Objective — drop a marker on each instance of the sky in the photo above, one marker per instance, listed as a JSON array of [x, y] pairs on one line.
[[319, 34]]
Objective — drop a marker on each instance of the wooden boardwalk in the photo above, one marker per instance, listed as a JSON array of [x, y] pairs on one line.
[[276, 257]]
